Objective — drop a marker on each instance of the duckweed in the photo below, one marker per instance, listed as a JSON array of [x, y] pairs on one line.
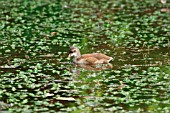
[[37, 76]]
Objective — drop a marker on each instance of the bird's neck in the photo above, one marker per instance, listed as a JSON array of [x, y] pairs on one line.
[[78, 54], [76, 57]]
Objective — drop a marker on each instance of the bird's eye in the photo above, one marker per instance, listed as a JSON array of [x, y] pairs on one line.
[[72, 51]]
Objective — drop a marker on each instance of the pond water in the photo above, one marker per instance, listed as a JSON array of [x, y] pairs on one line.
[[37, 76]]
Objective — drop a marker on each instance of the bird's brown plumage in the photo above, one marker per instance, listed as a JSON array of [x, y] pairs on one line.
[[93, 58]]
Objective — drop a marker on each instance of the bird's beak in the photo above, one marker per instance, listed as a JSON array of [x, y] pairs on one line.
[[69, 56]]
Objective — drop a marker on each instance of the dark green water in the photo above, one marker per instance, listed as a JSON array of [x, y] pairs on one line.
[[37, 76]]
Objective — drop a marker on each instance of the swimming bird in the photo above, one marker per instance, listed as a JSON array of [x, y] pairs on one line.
[[88, 59]]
